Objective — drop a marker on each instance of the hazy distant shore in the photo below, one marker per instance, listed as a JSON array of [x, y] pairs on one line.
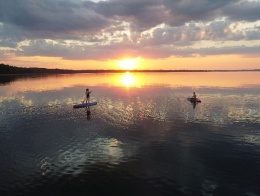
[[12, 70]]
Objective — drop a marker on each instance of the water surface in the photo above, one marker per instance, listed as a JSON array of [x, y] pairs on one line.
[[143, 137]]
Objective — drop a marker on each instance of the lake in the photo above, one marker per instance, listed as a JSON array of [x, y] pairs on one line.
[[142, 138]]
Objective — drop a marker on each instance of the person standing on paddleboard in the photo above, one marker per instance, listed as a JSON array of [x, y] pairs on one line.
[[87, 95], [194, 97]]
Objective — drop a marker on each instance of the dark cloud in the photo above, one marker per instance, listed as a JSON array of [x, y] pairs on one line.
[[141, 14], [51, 16], [199, 10], [81, 29], [243, 10]]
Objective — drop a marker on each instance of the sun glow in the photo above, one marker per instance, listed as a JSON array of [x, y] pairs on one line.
[[129, 64], [128, 80]]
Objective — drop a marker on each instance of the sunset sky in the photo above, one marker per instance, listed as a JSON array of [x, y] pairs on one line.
[[130, 34]]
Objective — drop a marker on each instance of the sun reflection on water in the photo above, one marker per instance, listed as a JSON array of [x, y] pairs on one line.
[[133, 79], [129, 80]]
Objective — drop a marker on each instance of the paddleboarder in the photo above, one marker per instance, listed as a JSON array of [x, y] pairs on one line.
[[87, 95], [194, 97]]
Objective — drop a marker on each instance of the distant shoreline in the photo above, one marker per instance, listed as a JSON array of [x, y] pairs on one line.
[[122, 71], [12, 70]]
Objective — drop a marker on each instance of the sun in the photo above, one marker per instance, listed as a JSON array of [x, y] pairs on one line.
[[129, 64]]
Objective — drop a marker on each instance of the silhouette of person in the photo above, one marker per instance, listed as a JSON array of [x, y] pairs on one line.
[[194, 97], [87, 95]]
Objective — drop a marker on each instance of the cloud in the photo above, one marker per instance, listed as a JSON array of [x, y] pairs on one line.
[[141, 14], [44, 48], [100, 30], [199, 10], [57, 17], [243, 11], [227, 50]]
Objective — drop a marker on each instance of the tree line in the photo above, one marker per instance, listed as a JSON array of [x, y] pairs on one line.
[[8, 69]]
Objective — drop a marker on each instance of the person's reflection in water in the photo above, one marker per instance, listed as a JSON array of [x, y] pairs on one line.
[[88, 113], [194, 104]]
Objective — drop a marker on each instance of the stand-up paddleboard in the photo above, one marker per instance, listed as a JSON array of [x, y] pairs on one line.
[[194, 100], [83, 105]]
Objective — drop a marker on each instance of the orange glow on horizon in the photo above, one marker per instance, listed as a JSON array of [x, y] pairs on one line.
[[137, 80], [217, 62]]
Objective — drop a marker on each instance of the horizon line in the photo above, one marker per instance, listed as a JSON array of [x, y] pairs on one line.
[[125, 70]]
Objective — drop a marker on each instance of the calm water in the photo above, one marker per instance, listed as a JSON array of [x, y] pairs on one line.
[[142, 138]]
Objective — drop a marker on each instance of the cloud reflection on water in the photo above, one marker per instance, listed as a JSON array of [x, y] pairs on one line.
[[128, 96], [128, 79], [148, 118]]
